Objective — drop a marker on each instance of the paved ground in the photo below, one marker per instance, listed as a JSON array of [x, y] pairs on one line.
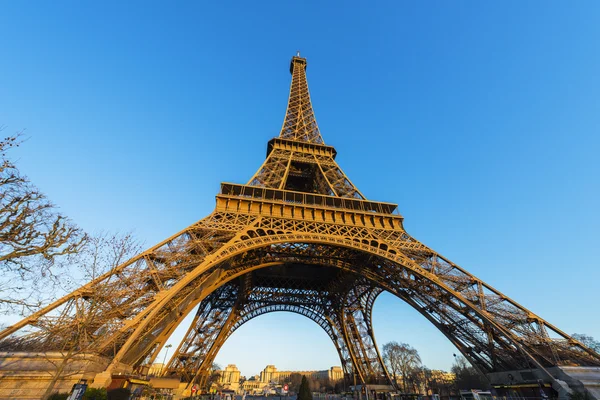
[[274, 397]]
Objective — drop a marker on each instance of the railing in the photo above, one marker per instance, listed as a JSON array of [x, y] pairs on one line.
[[291, 197]]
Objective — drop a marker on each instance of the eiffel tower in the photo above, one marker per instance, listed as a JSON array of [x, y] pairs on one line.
[[298, 237]]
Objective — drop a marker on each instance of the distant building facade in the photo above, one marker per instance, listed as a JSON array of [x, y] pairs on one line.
[[230, 378], [270, 374], [270, 377], [428, 382], [443, 376]]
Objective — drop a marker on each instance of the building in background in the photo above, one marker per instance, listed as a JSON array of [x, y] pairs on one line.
[[229, 378], [270, 378], [270, 374]]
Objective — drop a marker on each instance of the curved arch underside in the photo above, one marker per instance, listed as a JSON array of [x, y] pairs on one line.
[[493, 333], [338, 301]]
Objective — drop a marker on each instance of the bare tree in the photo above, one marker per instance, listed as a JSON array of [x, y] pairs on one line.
[[402, 359], [423, 379], [467, 377], [391, 356], [295, 380], [588, 341], [214, 376], [101, 253], [105, 251], [437, 382], [33, 235], [41, 251]]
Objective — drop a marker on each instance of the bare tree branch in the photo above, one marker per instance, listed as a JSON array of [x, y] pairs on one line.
[[402, 359], [33, 236]]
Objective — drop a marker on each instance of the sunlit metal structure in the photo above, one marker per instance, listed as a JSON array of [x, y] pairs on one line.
[[298, 237]]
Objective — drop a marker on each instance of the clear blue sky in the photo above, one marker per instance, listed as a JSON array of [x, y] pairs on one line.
[[480, 119]]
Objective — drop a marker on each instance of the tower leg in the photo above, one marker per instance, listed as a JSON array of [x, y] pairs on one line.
[[355, 316]]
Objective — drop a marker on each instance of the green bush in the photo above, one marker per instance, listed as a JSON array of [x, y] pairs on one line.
[[58, 396], [304, 391], [95, 394], [118, 394], [575, 395]]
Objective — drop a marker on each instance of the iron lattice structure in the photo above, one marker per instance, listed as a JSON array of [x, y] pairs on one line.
[[298, 237]]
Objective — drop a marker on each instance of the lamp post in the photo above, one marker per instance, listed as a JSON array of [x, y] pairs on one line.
[[165, 358]]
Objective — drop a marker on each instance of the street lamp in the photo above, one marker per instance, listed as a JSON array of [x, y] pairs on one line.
[[165, 358]]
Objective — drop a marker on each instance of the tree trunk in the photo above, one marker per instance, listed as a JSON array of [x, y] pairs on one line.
[[55, 378]]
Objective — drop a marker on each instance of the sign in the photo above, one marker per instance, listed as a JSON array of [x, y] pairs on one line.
[[285, 387], [78, 391], [194, 388]]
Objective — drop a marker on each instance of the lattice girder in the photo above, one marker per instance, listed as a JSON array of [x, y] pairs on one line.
[[307, 168], [213, 315], [325, 306], [300, 123], [432, 280], [460, 307]]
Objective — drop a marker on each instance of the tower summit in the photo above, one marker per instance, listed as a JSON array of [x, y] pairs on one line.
[[300, 123]]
